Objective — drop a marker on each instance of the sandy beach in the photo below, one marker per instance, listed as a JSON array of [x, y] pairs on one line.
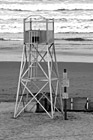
[[40, 126], [79, 74]]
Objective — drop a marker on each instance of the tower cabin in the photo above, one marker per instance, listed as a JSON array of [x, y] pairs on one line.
[[38, 30]]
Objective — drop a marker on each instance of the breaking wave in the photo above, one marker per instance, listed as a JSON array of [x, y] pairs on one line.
[[46, 6]]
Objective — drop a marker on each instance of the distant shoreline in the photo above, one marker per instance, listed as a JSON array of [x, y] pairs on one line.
[[70, 47]]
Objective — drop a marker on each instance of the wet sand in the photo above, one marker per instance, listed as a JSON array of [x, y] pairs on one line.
[[80, 76], [70, 47]]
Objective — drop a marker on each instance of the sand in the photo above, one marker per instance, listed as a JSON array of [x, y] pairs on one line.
[[80, 77], [30, 126]]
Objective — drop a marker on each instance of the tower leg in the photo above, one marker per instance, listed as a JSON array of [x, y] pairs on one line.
[[50, 84], [19, 81], [58, 81]]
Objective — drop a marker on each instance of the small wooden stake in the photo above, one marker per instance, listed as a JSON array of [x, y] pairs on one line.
[[65, 105], [65, 101]]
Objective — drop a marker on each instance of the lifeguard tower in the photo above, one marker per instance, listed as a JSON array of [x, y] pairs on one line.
[[38, 76]]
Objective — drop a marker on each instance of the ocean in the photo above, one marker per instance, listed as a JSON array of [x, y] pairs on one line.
[[73, 20], [69, 15]]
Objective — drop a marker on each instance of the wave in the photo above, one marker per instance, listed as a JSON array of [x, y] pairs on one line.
[[2, 39], [76, 39], [74, 9], [8, 39], [64, 21], [20, 10], [78, 19], [8, 48], [67, 39], [58, 10], [59, 6]]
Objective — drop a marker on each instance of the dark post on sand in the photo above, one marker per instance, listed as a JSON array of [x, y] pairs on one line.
[[65, 93], [65, 105]]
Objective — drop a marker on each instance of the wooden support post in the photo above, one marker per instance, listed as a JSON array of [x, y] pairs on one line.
[[87, 104], [65, 94], [65, 105], [71, 103]]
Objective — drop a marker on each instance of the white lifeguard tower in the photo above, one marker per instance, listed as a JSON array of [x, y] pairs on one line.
[[38, 76]]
